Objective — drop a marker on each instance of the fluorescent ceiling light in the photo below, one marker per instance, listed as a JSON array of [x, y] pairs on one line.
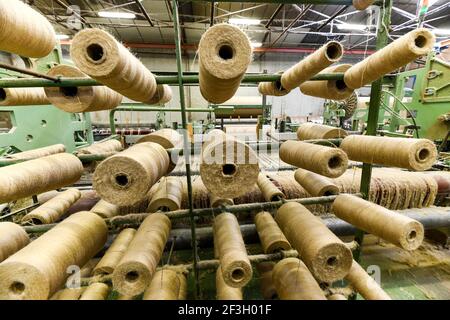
[[116, 14], [62, 36], [256, 44], [244, 21], [442, 32], [350, 26]]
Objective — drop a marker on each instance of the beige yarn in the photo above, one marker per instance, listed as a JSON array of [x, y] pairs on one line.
[[268, 189], [323, 57], [336, 296], [183, 286], [293, 281], [39, 269], [229, 168], [96, 53], [400, 52], [326, 161], [80, 99], [105, 147], [22, 97], [115, 252], [309, 131], [326, 256], [39, 175], [168, 195], [126, 178], [362, 4], [398, 229], [68, 294], [24, 31], [136, 268], [271, 237], [236, 268], [54, 209], [328, 89], [105, 209], [96, 291], [364, 284], [12, 238], [162, 95], [38, 153], [267, 287], [224, 54], [408, 153], [224, 291], [165, 285], [272, 88], [315, 184]]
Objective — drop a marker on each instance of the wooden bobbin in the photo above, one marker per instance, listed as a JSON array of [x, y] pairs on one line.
[[267, 287], [271, 237], [328, 89], [165, 285], [39, 175], [293, 281], [105, 147], [80, 99], [229, 168], [37, 153], [364, 284], [326, 256], [224, 291], [272, 88], [126, 178], [398, 53], [39, 269], [96, 291], [408, 153], [25, 31], [326, 161], [136, 268], [114, 254], [54, 209], [309, 131], [268, 189], [167, 196], [311, 65], [23, 97], [162, 95], [236, 268], [96, 53], [395, 228], [105, 209], [224, 53], [315, 184], [12, 238]]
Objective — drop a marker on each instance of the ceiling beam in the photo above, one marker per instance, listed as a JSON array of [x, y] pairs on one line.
[[144, 12]]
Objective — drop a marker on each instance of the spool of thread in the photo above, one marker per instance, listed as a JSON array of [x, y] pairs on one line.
[[105, 147], [80, 99], [37, 153], [12, 238], [224, 54], [115, 252], [362, 5], [68, 294], [126, 178], [364, 284], [268, 189], [395, 228], [271, 237], [326, 161], [165, 285], [273, 88], [25, 31], [224, 291], [407, 153], [39, 175], [268, 290], [23, 97], [168, 195], [136, 268], [96, 53], [309, 131], [54, 209], [216, 201], [323, 57], [229, 168], [293, 281], [315, 184], [326, 256], [162, 95], [39, 269], [105, 209], [328, 89], [96, 291], [400, 52], [183, 286], [236, 268], [336, 296]]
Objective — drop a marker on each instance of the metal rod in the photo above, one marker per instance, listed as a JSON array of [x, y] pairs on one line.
[[29, 72], [274, 14], [331, 18], [144, 12], [211, 21]]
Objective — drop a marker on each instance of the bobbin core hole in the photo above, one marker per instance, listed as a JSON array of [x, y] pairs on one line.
[[420, 41], [340, 85], [237, 274], [412, 235], [226, 52], [229, 169], [132, 276], [423, 154], [69, 92], [2, 94], [17, 288], [36, 221], [122, 179], [95, 52], [332, 261], [334, 51], [334, 162]]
